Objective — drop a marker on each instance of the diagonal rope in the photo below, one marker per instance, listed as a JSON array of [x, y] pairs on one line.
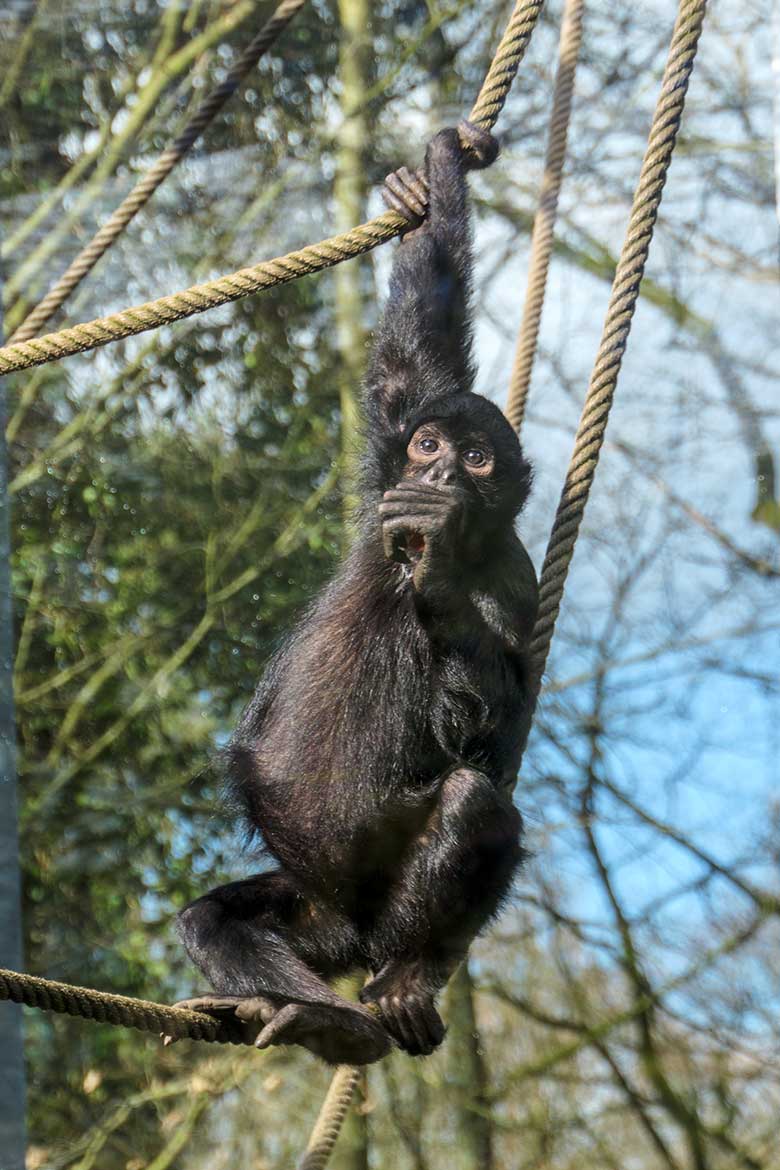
[[200, 297], [617, 326], [148, 183], [314, 258], [544, 222], [505, 63]]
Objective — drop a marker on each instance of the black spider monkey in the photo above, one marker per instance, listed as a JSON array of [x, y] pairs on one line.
[[377, 755]]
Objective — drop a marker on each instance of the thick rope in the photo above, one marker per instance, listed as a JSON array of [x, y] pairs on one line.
[[328, 1125], [148, 184], [544, 222], [617, 326], [106, 1008], [200, 297], [314, 258], [505, 63]]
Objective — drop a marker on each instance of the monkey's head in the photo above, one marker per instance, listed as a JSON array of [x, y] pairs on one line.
[[463, 443]]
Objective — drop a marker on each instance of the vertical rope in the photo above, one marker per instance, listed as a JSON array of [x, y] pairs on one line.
[[328, 1125], [544, 222], [148, 183], [617, 326]]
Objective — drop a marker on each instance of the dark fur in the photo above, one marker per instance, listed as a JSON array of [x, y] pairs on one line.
[[375, 756]]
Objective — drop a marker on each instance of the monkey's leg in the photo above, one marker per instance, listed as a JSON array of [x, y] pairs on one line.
[[264, 948], [457, 874]]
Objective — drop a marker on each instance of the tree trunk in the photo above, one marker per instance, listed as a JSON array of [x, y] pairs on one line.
[[353, 279], [468, 1077]]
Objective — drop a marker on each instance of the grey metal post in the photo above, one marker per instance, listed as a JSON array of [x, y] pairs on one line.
[[12, 1077]]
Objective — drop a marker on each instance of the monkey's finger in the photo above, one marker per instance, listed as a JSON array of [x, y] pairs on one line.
[[410, 498], [396, 1024], [415, 1023], [403, 528], [414, 502], [416, 183], [395, 204], [410, 486], [392, 509], [403, 199], [257, 1008], [432, 1021]]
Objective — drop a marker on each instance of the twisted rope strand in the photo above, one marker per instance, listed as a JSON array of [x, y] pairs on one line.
[[53, 346], [148, 184], [544, 222], [106, 1008], [617, 325], [330, 1119], [505, 63], [198, 298]]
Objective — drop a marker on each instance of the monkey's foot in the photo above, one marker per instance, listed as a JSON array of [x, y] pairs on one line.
[[348, 1035], [240, 1018], [409, 1016], [407, 193], [479, 146], [339, 1035]]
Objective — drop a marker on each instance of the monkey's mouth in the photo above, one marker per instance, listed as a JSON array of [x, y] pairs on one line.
[[413, 547]]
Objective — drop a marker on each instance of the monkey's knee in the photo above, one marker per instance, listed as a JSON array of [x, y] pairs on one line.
[[201, 925], [481, 815]]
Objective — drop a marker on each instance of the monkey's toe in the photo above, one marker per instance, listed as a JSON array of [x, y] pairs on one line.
[[479, 146], [240, 1018], [348, 1035]]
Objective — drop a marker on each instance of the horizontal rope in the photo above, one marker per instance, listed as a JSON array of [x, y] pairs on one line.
[[149, 182], [314, 258], [106, 1008]]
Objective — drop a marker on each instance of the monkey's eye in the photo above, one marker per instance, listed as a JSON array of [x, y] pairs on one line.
[[474, 457], [428, 446]]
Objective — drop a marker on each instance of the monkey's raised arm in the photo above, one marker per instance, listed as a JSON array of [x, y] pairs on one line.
[[423, 344]]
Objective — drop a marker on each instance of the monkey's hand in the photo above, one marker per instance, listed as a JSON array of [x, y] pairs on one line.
[[406, 192], [480, 148], [420, 527], [406, 1007]]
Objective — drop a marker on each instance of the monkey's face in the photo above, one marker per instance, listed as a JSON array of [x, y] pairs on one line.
[[451, 457]]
